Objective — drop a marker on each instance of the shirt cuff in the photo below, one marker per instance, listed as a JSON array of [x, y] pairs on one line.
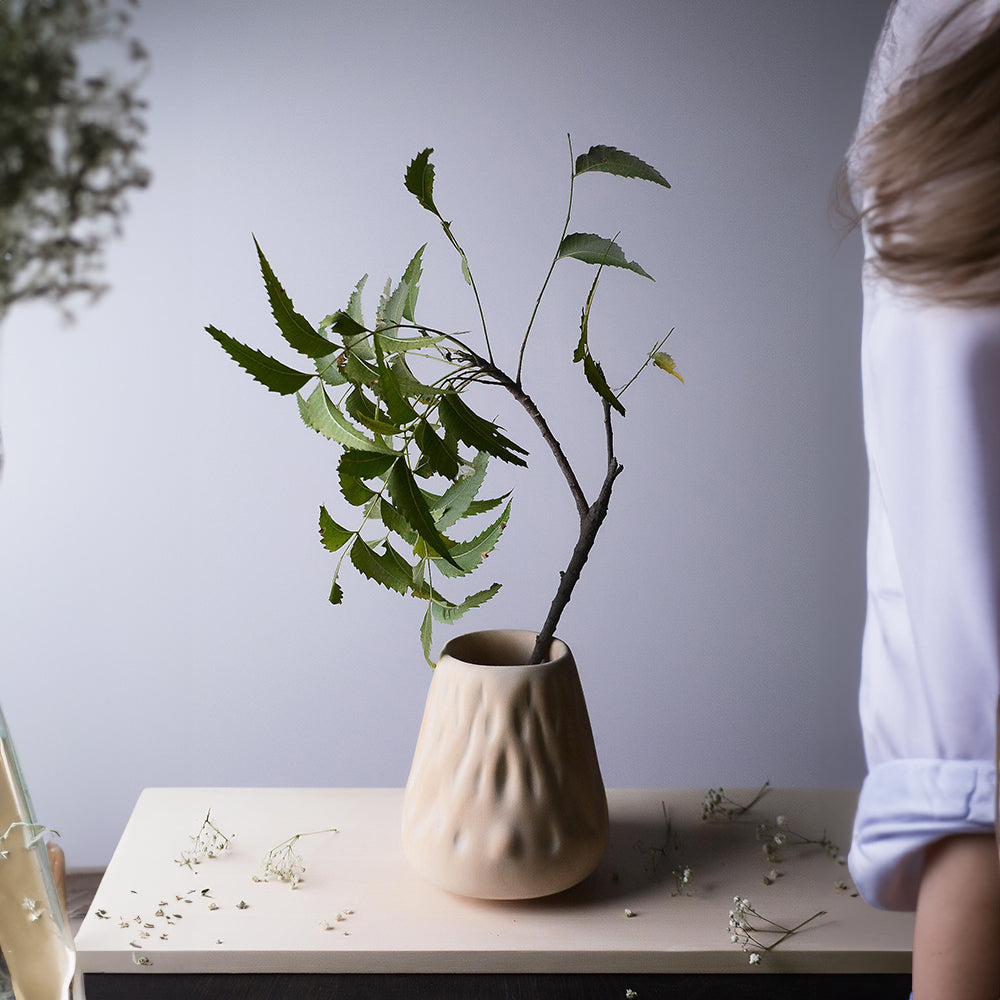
[[905, 806]]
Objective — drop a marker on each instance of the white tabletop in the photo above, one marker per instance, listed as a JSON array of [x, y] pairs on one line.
[[359, 907]]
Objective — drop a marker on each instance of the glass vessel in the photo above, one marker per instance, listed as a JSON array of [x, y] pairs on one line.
[[38, 956]]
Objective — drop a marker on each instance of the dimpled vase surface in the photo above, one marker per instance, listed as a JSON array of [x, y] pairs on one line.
[[505, 798]]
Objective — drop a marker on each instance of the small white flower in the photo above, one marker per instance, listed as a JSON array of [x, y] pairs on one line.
[[630, 994], [780, 821], [629, 913], [755, 958]]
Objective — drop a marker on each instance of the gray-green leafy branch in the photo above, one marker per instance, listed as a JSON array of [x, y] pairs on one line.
[[69, 143]]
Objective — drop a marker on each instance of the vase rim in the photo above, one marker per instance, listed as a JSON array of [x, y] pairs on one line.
[[501, 647]]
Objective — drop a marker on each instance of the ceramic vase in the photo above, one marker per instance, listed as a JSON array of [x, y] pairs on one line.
[[505, 798]]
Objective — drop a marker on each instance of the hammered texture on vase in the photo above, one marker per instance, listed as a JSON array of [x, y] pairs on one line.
[[505, 798]]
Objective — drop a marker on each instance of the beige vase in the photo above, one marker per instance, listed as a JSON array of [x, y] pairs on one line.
[[505, 798]]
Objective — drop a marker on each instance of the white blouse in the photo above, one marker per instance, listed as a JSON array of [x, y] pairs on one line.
[[931, 649]]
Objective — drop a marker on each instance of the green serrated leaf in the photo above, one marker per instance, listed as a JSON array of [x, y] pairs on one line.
[[456, 500], [328, 369], [319, 413], [363, 410], [419, 180], [427, 634], [409, 384], [331, 534], [583, 347], [294, 327], [336, 594], [447, 615], [390, 313], [270, 373], [466, 273], [411, 278], [597, 380], [395, 522], [359, 369], [393, 345], [595, 376], [401, 564], [344, 324], [609, 160], [477, 432], [354, 303], [398, 406], [364, 464], [354, 490], [593, 249], [441, 455], [410, 502], [379, 568], [485, 506], [469, 555], [424, 592]]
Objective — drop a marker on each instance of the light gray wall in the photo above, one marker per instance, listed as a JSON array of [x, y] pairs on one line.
[[163, 609]]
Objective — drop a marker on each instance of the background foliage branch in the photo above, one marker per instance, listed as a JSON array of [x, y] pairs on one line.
[[69, 143]]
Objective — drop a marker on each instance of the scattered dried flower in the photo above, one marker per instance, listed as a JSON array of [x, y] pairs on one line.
[[773, 837], [718, 807], [683, 881], [283, 863], [744, 933], [208, 842]]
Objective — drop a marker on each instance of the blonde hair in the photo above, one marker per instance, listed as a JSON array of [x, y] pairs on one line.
[[930, 171]]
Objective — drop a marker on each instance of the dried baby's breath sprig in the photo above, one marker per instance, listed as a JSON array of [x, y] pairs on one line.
[[283, 863], [772, 837], [683, 881], [718, 807], [744, 933], [208, 842]]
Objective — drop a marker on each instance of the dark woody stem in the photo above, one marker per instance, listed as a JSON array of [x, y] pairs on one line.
[[591, 515]]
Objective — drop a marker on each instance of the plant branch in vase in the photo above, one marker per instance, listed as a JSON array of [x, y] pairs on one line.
[[400, 432]]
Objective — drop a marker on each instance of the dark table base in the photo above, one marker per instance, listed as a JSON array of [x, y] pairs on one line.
[[496, 987]]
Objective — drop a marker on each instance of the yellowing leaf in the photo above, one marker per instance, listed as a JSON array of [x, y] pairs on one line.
[[667, 363]]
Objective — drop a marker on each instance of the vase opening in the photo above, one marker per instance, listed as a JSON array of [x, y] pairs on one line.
[[500, 648]]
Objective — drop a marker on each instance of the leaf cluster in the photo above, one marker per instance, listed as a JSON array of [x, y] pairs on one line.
[[69, 144], [413, 453], [396, 435]]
